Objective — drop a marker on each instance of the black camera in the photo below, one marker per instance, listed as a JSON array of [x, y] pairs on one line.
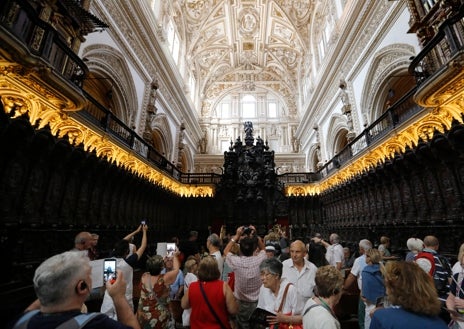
[[247, 230]]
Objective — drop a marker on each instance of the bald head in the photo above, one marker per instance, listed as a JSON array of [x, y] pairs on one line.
[[298, 252], [431, 242], [298, 245], [83, 241]]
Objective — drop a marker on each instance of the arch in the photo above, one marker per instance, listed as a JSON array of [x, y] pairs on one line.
[[312, 158], [340, 140], [389, 63], [185, 160], [162, 136], [110, 81], [336, 135]]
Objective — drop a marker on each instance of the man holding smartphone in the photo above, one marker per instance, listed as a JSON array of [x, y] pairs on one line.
[[62, 284]]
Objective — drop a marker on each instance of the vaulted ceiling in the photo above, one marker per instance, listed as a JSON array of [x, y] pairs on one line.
[[247, 44]]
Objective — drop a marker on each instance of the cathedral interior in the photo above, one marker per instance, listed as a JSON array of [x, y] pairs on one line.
[[320, 116]]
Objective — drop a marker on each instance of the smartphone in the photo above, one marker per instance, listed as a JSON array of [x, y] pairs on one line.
[[170, 248], [109, 270], [143, 222]]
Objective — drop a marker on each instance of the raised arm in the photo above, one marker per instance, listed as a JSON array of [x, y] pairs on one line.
[[143, 245], [131, 235], [117, 292], [233, 240], [171, 276]]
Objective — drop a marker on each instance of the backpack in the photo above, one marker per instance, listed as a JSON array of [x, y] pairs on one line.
[[76, 322], [440, 277], [429, 257]]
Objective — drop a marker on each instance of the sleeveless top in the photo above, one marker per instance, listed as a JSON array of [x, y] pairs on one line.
[[201, 316], [153, 310]]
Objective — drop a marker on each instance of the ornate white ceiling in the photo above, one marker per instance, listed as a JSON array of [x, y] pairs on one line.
[[248, 44]]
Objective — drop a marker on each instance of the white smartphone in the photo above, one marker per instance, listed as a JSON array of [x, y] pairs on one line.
[[170, 248], [109, 270]]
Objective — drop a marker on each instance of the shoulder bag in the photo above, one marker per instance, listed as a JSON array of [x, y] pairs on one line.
[[285, 325], [210, 307]]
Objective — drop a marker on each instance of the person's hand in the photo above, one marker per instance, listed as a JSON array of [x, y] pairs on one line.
[[458, 303], [118, 288], [272, 319], [253, 230], [145, 227]]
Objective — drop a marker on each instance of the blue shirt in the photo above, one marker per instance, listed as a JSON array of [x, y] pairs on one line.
[[372, 283], [398, 318], [174, 288]]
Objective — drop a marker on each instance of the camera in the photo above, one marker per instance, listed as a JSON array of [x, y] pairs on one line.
[[247, 230], [143, 222], [109, 270]]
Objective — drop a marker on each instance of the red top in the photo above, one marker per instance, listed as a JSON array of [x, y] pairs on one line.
[[201, 316]]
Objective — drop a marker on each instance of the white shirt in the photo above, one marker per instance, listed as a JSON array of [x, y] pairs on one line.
[[319, 317], [358, 266], [220, 260], [189, 278], [107, 306], [269, 302], [335, 254], [303, 281], [457, 268]]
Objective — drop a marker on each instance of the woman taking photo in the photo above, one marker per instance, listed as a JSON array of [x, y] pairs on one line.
[[211, 299], [153, 310]]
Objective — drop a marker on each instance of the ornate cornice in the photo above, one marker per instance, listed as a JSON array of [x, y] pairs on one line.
[[437, 119], [44, 109]]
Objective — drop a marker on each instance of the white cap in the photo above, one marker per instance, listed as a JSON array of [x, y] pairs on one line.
[[270, 248]]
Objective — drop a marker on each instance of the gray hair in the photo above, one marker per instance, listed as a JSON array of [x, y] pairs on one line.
[[272, 265], [415, 244], [365, 244], [334, 238], [55, 279], [214, 240]]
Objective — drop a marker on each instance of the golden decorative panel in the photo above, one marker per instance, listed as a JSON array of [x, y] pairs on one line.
[[436, 119], [42, 110]]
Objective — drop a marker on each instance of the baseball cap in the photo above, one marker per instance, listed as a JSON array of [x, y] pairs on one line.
[[270, 248]]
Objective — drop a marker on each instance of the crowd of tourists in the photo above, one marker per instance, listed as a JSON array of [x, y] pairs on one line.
[[245, 280]]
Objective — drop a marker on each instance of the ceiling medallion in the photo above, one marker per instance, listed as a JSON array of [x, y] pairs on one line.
[[198, 9], [248, 22]]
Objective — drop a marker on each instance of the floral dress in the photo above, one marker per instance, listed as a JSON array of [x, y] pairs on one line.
[[153, 311]]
